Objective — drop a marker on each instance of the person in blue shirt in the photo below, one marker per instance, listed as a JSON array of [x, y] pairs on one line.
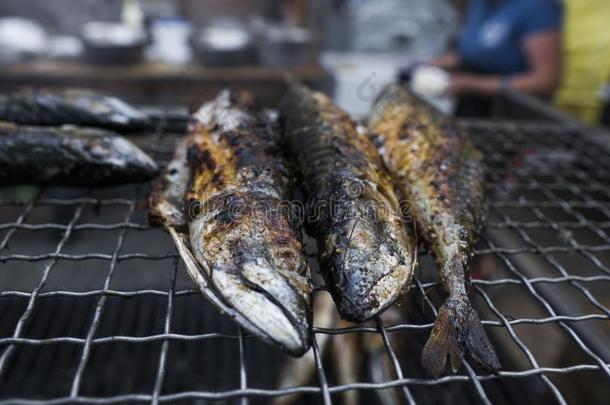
[[507, 44]]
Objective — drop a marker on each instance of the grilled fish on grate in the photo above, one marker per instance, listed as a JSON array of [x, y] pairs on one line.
[[234, 234], [441, 173], [366, 254], [70, 156], [71, 106]]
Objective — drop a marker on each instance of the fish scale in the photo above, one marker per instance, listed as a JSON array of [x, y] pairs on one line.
[[366, 254], [70, 156], [439, 170], [71, 106], [239, 245]]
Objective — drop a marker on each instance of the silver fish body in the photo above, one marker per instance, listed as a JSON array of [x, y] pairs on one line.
[[71, 106], [70, 156]]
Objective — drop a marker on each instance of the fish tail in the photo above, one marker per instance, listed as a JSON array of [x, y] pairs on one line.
[[458, 330]]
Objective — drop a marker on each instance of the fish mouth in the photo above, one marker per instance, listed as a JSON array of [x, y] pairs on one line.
[[364, 281], [138, 159], [369, 304], [267, 317], [359, 303], [258, 298]]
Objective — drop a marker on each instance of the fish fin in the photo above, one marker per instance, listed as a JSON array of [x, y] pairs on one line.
[[457, 330], [477, 343]]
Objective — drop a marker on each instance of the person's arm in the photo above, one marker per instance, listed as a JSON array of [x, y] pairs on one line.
[[450, 60], [544, 54]]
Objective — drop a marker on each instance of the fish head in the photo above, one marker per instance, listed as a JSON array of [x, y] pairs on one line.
[[128, 152], [110, 151], [365, 282], [364, 279], [256, 266]]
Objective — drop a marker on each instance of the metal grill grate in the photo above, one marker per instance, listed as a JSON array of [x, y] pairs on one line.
[[97, 309]]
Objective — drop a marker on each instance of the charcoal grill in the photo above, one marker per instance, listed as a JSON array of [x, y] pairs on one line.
[[96, 307]]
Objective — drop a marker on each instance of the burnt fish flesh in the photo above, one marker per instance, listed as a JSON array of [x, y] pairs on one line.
[[71, 106], [366, 254], [222, 199], [439, 170], [70, 156]]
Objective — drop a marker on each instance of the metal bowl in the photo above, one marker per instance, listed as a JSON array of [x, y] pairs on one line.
[[283, 46], [112, 42], [224, 45]]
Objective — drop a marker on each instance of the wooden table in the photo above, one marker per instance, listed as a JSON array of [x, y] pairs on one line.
[[154, 83]]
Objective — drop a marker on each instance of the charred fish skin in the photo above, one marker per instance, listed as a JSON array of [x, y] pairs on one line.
[[442, 173], [239, 228], [70, 156], [167, 209], [71, 106], [366, 255], [166, 203]]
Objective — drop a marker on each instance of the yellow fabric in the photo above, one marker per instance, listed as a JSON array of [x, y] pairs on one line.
[[586, 42]]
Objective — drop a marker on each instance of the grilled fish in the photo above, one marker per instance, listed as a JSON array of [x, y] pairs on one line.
[[71, 106], [441, 173], [366, 254], [234, 233], [70, 156]]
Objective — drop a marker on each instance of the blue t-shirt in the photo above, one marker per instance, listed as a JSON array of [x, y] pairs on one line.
[[493, 39]]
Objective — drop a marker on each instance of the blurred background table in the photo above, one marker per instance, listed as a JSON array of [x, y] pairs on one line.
[[161, 83]]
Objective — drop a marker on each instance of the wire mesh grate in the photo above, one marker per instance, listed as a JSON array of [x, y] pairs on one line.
[[97, 308]]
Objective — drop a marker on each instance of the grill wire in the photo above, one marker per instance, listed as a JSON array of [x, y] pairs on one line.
[[547, 185]]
